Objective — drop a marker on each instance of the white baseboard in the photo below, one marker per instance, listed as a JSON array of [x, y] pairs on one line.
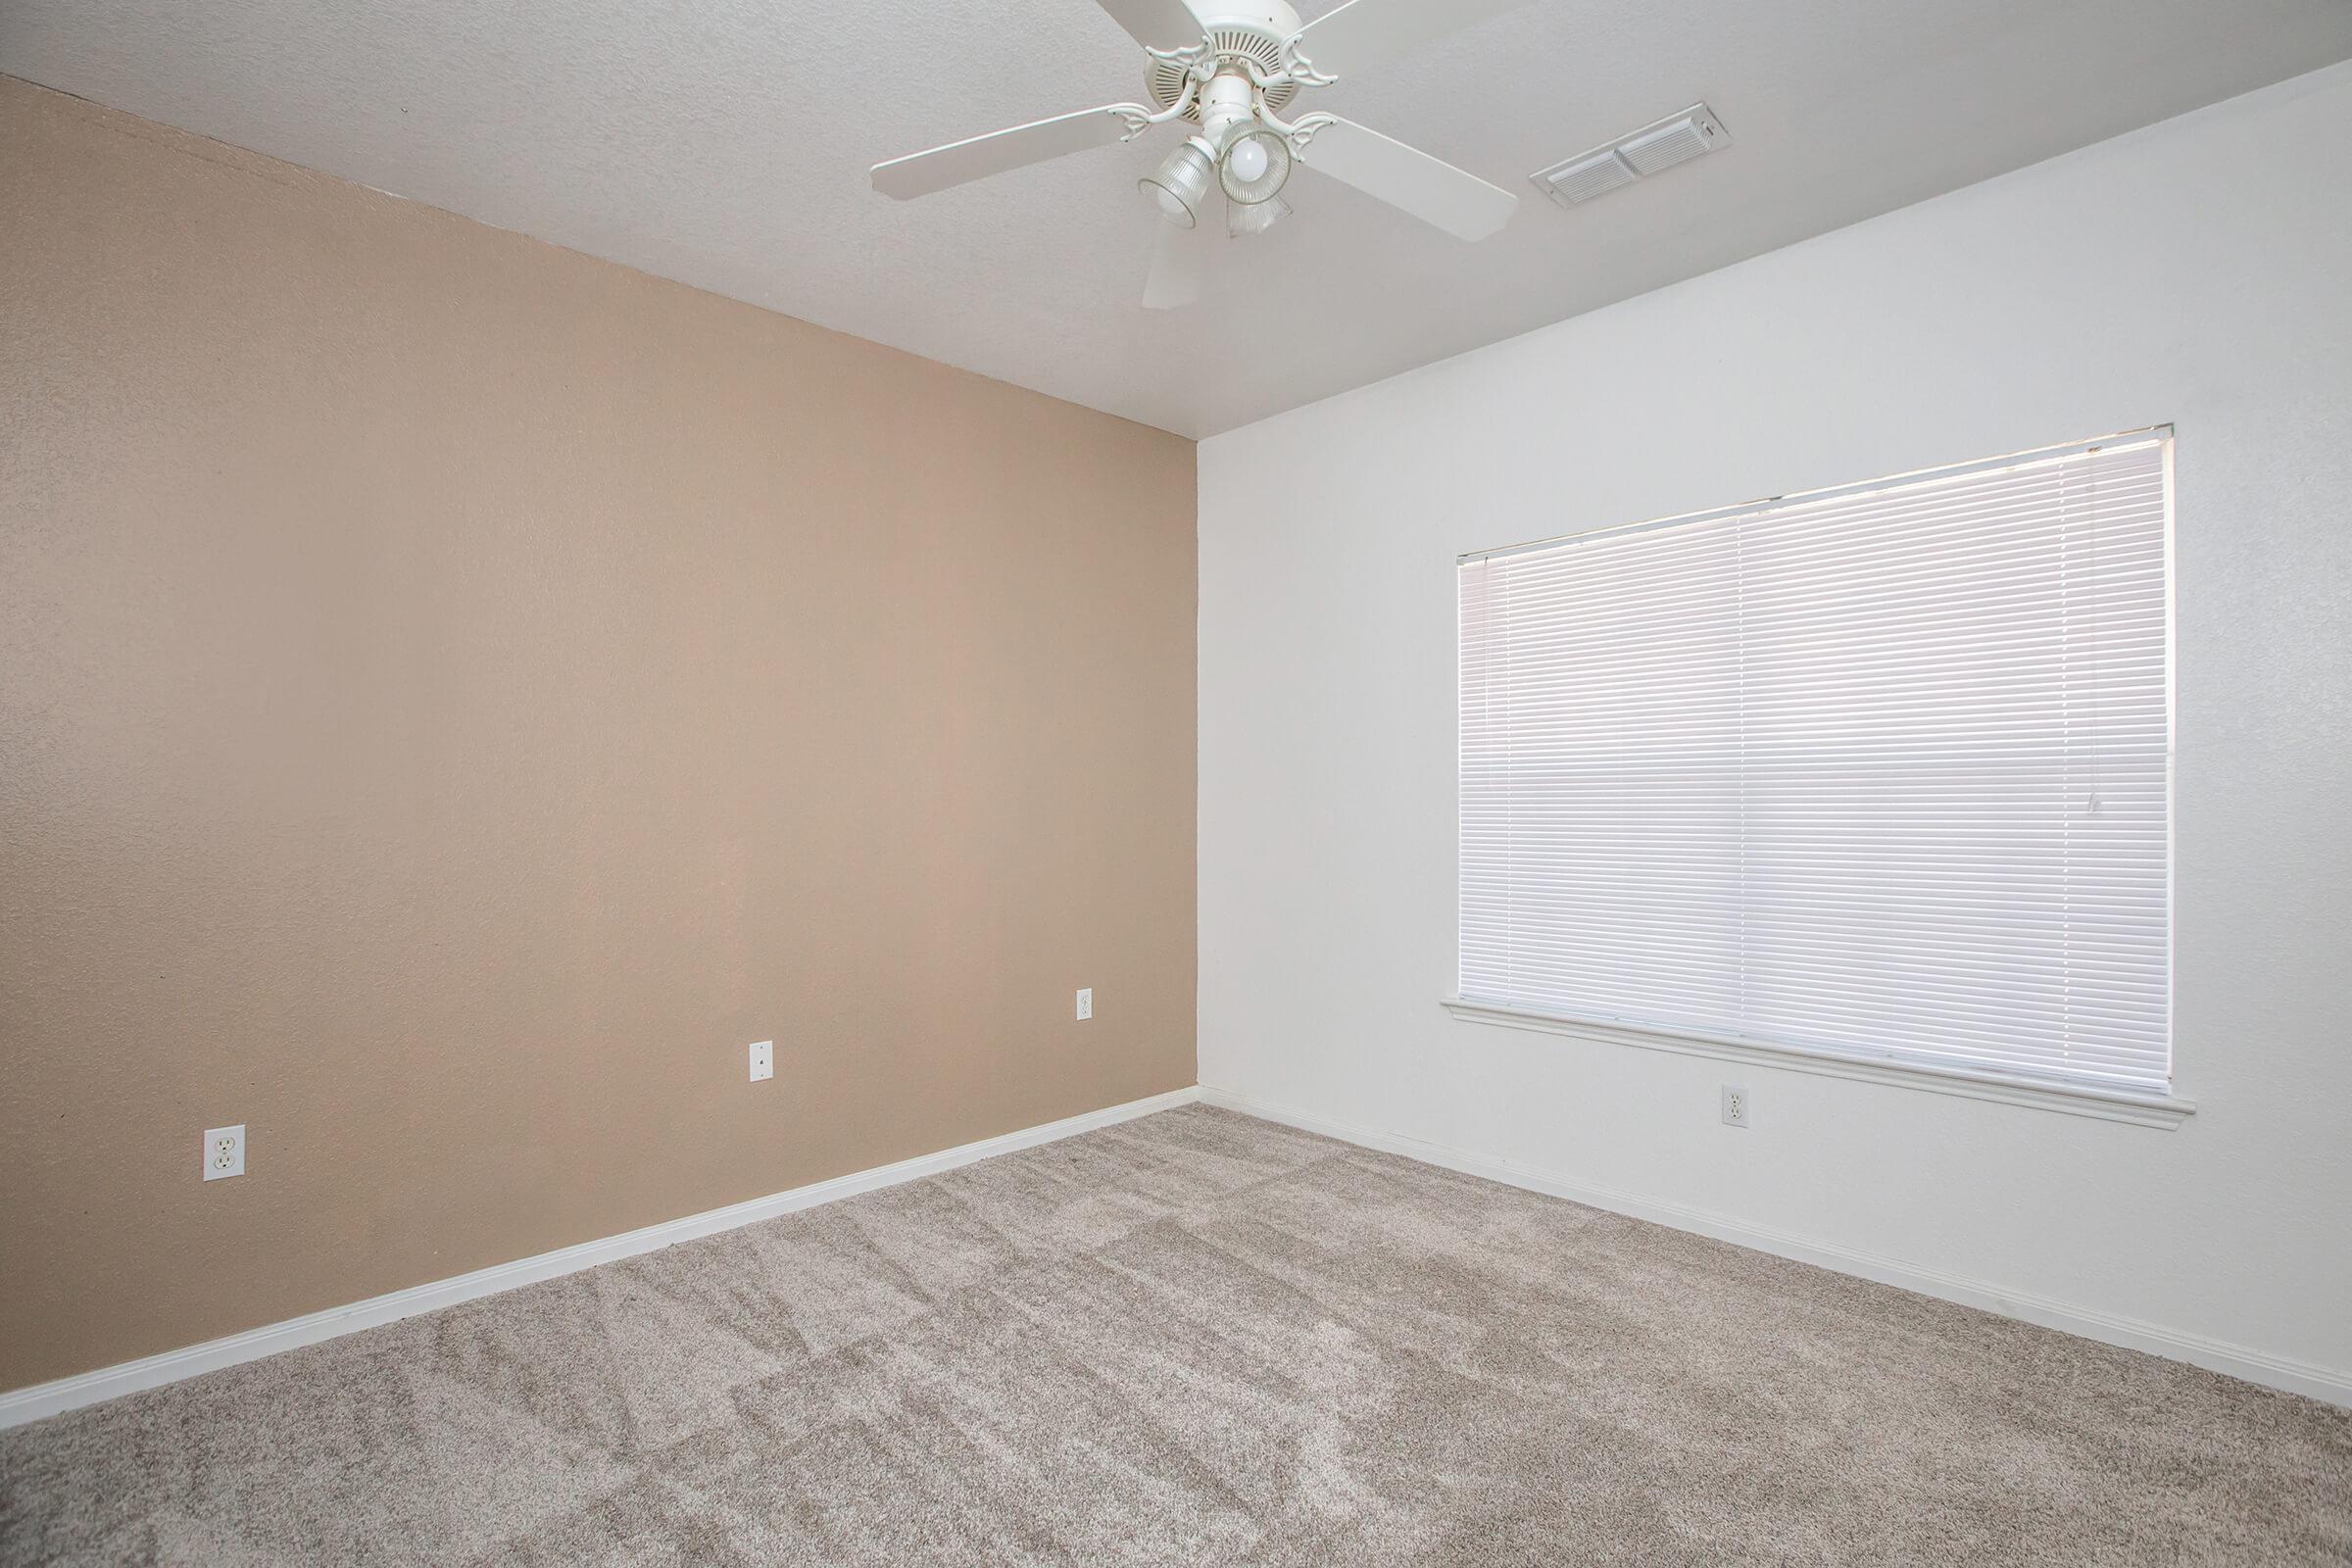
[[2215, 1355], [20, 1405]]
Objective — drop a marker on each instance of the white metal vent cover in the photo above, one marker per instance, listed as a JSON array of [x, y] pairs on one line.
[[1676, 139]]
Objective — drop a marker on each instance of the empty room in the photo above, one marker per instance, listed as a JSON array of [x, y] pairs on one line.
[[1120, 782]]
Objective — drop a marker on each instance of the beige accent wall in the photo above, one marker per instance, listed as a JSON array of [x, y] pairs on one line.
[[455, 694]]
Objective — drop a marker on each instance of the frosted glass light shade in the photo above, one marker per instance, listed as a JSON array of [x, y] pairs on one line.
[[1243, 221], [1181, 184]]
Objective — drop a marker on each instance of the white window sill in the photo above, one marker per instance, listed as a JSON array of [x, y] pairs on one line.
[[2144, 1107]]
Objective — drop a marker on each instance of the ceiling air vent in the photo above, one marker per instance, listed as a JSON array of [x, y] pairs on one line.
[[1676, 139]]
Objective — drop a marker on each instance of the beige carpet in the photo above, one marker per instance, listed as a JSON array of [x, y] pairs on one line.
[[1193, 1339]]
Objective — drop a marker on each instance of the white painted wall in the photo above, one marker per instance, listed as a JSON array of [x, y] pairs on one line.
[[2198, 272]]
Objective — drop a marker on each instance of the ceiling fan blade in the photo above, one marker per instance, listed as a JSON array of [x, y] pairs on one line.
[[1405, 178], [1365, 32], [1156, 24], [977, 157], [1177, 263]]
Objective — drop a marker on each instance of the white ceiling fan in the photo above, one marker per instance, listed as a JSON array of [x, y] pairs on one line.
[[1231, 68]]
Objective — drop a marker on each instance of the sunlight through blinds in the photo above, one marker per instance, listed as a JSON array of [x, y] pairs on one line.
[[1881, 773]]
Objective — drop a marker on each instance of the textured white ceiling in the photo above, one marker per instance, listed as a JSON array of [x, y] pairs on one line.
[[725, 143]]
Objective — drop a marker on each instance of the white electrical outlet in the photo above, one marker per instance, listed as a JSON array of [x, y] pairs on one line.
[[223, 1151], [1736, 1107], [1086, 1003], [764, 1060]]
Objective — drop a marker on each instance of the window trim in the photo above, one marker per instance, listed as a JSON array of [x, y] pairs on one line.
[[2140, 1107]]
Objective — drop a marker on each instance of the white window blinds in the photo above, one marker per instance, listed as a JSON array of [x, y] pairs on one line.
[[1879, 772]]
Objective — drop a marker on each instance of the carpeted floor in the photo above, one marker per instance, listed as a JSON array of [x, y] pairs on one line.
[[1193, 1339]]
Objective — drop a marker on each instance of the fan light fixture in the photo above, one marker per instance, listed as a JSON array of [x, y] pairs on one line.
[[1245, 221], [1223, 76], [1181, 184], [1256, 166]]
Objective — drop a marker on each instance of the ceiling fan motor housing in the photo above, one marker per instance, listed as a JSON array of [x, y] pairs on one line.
[[1236, 32]]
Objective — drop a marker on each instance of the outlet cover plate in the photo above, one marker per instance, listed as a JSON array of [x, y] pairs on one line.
[[223, 1152], [1737, 1108], [764, 1060], [1086, 1003]]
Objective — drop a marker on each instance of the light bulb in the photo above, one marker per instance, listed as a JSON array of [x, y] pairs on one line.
[[1256, 164]]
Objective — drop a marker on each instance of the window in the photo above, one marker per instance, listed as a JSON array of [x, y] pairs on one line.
[[1878, 774]]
